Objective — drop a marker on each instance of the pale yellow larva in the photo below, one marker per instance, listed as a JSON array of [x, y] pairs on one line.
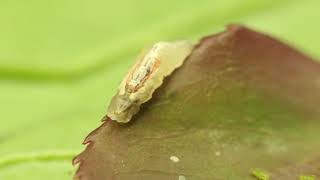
[[146, 76]]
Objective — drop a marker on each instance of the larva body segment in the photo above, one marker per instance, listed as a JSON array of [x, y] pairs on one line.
[[146, 76]]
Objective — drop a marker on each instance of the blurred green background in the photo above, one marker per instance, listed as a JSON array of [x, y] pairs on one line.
[[61, 62]]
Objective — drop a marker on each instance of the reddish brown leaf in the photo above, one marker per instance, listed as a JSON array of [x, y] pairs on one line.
[[241, 101]]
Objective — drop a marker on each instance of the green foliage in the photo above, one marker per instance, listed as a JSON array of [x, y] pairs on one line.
[[260, 174], [307, 178]]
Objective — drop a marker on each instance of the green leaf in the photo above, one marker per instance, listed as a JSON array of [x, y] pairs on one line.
[[242, 100], [61, 61], [260, 174], [307, 178]]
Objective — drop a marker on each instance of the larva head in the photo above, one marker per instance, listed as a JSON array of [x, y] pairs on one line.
[[153, 65], [122, 108]]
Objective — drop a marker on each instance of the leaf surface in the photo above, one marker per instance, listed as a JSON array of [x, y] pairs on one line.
[[241, 101]]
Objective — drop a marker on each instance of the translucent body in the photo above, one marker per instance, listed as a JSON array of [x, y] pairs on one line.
[[146, 76]]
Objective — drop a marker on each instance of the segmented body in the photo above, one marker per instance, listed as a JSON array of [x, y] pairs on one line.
[[142, 71], [146, 76]]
